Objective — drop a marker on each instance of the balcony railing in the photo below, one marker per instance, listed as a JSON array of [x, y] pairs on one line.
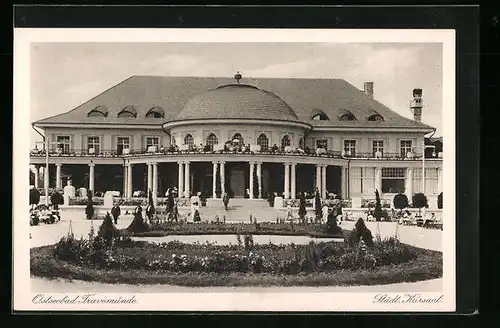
[[106, 153]]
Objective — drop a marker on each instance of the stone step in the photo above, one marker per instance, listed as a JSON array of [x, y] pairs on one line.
[[238, 203]]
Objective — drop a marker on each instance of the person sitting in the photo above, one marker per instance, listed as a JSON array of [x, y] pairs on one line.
[[207, 148]]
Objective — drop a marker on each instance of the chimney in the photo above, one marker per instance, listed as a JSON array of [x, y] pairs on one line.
[[369, 89], [417, 104]]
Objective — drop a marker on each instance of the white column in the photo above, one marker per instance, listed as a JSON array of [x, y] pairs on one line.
[[214, 180], [91, 176], [318, 178], [323, 182], [252, 165], [294, 181], [125, 193], [409, 183], [286, 192], [343, 183], [155, 183], [150, 178], [259, 178], [129, 181], [187, 181], [58, 175], [36, 176], [45, 178], [181, 180], [440, 180], [378, 179], [222, 177]]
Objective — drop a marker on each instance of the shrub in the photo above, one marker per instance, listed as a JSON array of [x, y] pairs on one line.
[[138, 224], [377, 212], [248, 241], [302, 207], [34, 196], [331, 225], [440, 201], [107, 230], [400, 201], [56, 199], [196, 216], [317, 205], [360, 232], [419, 200]]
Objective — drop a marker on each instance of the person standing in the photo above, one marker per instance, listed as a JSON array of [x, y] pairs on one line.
[[225, 200], [115, 212]]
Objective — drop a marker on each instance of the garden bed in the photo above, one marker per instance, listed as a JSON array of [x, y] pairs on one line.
[[278, 229], [315, 264]]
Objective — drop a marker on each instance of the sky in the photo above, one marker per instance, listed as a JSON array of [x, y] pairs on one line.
[[65, 75]]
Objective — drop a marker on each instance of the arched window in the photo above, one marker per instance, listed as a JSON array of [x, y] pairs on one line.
[[375, 117], [301, 143], [263, 142], [346, 115], [212, 140], [129, 112], [285, 141], [238, 136], [99, 111], [189, 140], [319, 115], [155, 112]]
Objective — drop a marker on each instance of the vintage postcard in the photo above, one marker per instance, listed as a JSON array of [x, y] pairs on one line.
[[234, 170]]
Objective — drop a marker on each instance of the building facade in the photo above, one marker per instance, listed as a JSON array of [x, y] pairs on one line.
[[247, 137]]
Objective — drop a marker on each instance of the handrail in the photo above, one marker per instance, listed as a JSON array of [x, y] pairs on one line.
[[113, 153]]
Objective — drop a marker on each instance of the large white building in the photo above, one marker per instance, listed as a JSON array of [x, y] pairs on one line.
[[241, 135]]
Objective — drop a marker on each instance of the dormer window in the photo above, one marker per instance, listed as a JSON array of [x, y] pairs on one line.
[[375, 117], [346, 115], [155, 112], [128, 112], [319, 115], [99, 111]]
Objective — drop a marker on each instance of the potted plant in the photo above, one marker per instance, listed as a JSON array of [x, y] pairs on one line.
[[377, 212], [419, 200], [89, 210]]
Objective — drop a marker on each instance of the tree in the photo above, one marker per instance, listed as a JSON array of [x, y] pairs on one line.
[[150, 210], [34, 196], [302, 207], [107, 230], [56, 199], [138, 224], [331, 225], [359, 232], [377, 213], [400, 201], [89, 210], [440, 201], [317, 205], [419, 200]]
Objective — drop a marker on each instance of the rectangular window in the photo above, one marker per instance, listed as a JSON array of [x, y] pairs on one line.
[[350, 147], [406, 146], [393, 180], [368, 181], [152, 141], [322, 143], [356, 181], [378, 146], [94, 143], [121, 144], [431, 181], [63, 143]]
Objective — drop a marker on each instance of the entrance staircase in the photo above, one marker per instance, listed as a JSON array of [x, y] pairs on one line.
[[239, 210]]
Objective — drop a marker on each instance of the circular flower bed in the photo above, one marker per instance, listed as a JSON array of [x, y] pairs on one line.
[[122, 260]]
